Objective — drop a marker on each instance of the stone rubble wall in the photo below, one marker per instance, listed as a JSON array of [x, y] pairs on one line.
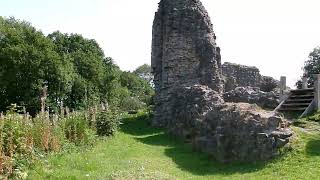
[[228, 131], [236, 75], [186, 64], [253, 95]]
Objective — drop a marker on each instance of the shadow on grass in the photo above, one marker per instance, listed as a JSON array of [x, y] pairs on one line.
[[313, 147], [183, 154], [292, 115], [138, 125]]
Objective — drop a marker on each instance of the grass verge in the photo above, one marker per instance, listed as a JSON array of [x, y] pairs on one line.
[[141, 152]]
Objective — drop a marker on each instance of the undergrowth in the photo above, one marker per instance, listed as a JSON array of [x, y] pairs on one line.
[[25, 139]]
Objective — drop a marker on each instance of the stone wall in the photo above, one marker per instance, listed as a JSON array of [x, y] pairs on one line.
[[184, 51], [186, 63], [236, 75], [253, 95], [227, 131]]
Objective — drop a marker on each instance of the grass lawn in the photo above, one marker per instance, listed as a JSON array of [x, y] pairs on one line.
[[141, 152]]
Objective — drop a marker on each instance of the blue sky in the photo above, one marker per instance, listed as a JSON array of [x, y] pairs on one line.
[[274, 35]]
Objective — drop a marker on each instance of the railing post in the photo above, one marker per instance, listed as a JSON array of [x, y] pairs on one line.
[[283, 87], [317, 91], [304, 83]]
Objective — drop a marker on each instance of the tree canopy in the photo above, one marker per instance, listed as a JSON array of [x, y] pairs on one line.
[[28, 61], [311, 67], [144, 71], [75, 69]]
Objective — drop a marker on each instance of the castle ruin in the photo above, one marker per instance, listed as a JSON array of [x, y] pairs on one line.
[[186, 64]]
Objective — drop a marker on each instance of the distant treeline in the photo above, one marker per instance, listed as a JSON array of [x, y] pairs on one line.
[[75, 70]]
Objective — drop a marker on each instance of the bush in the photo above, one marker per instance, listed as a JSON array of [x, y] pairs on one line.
[[107, 123], [76, 129], [46, 136], [268, 84], [131, 104], [23, 139], [315, 117], [16, 145]]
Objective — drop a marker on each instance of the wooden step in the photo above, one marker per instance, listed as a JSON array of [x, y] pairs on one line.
[[302, 93], [292, 109], [296, 104], [302, 90], [299, 100], [301, 96]]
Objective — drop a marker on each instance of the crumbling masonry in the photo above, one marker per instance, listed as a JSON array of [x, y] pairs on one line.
[[236, 75], [186, 64]]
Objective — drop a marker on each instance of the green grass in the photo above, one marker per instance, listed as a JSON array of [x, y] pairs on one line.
[[141, 152]]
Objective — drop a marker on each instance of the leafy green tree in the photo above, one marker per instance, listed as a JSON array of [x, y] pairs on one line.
[[137, 86], [144, 71], [93, 72], [74, 68], [28, 61], [111, 82], [311, 67]]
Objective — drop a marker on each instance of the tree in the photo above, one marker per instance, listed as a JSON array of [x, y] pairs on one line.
[[144, 71], [74, 68], [28, 60], [93, 71], [137, 86], [311, 67]]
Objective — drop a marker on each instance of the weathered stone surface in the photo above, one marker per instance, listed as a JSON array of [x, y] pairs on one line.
[[184, 51], [246, 84], [228, 131], [186, 63], [252, 95], [236, 75]]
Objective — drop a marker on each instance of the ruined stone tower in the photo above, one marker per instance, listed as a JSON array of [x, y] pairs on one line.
[[184, 51], [186, 64]]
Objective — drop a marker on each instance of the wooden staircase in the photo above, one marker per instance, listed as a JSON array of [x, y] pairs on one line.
[[298, 101]]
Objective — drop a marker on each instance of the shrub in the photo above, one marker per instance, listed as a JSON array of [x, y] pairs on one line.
[[107, 123], [76, 129], [46, 136], [131, 104], [315, 117], [268, 84], [16, 147], [22, 138]]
